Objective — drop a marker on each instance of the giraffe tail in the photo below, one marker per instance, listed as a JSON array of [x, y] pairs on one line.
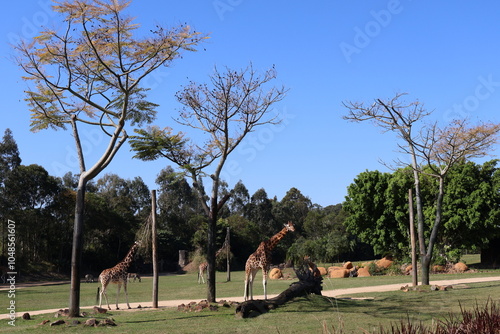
[[97, 296]]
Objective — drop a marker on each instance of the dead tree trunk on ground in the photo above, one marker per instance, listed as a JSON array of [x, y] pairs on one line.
[[308, 283]]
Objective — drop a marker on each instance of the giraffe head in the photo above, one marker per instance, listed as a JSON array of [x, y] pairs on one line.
[[289, 226]]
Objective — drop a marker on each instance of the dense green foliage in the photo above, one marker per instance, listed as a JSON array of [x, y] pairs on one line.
[[373, 219], [377, 204], [117, 210]]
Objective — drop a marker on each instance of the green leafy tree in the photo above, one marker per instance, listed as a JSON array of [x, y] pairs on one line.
[[178, 205], [429, 146], [9, 160], [471, 209], [368, 217], [29, 193], [260, 212], [9, 155], [240, 197], [90, 73], [325, 237]]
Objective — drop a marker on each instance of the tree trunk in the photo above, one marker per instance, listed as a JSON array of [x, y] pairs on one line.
[[412, 240], [154, 247], [77, 249], [212, 227], [420, 219], [427, 259], [307, 284]]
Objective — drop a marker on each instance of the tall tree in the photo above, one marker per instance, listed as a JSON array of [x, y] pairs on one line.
[[9, 160], [438, 149], [9, 155], [90, 73], [227, 109], [260, 212], [239, 199]]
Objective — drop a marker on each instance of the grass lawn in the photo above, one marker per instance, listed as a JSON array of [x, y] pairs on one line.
[[313, 314]]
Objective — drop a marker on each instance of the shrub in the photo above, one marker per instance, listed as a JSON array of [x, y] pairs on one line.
[[479, 320]]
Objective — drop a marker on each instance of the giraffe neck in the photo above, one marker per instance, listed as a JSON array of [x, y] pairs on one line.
[[271, 243], [127, 261]]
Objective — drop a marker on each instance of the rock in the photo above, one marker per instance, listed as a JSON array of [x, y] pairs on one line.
[[363, 272], [100, 310], [338, 272], [407, 270], [92, 322], [75, 322], [58, 322], [348, 265], [107, 322], [26, 316], [438, 268], [385, 262], [461, 267], [275, 273], [322, 271]]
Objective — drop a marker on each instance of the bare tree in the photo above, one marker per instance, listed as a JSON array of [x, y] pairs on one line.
[[429, 146], [89, 74], [227, 109]]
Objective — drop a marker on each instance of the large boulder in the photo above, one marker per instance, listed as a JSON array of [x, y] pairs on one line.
[[348, 265], [461, 267], [275, 273], [322, 271], [385, 262], [363, 272], [337, 272]]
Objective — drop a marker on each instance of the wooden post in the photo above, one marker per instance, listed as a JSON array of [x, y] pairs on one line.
[[412, 240], [154, 244], [228, 251]]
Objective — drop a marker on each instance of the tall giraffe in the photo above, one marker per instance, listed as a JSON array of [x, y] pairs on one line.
[[202, 268], [117, 275], [261, 259]]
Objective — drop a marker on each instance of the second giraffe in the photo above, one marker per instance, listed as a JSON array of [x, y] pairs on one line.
[[261, 259]]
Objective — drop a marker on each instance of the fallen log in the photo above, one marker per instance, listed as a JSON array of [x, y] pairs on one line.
[[309, 283]]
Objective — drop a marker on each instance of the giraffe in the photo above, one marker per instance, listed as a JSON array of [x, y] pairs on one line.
[[261, 259], [202, 268], [117, 275]]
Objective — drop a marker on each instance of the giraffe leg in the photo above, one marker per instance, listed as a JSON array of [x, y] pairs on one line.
[[250, 285], [126, 293], [118, 295], [103, 292], [247, 279], [264, 283]]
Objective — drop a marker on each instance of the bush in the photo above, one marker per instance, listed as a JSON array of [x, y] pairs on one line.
[[480, 320]]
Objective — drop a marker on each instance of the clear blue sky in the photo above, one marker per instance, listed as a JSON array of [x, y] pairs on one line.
[[445, 54]]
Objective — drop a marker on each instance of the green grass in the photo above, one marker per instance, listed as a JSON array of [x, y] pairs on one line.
[[312, 314]]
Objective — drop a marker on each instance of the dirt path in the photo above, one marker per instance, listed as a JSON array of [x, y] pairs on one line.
[[327, 293]]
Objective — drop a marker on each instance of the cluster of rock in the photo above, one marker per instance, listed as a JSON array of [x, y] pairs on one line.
[[363, 270], [456, 268], [204, 304], [91, 322]]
